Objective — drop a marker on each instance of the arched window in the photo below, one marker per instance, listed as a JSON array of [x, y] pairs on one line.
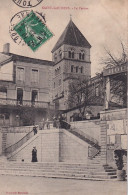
[[73, 54], [72, 67], [83, 56], [76, 69], [69, 54], [80, 56], [81, 69]]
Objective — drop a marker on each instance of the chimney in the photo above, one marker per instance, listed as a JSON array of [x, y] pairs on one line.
[[6, 48]]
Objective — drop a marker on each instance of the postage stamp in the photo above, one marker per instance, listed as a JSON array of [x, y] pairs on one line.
[[27, 3], [16, 19], [33, 31]]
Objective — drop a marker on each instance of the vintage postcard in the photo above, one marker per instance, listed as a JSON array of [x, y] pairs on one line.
[[63, 97]]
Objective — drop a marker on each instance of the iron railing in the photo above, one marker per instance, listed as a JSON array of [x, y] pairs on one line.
[[28, 103], [18, 144], [93, 151], [86, 136]]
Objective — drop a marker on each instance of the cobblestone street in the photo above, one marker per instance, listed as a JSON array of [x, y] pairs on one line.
[[49, 186]]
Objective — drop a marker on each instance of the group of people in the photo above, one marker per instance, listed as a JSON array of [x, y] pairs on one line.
[[45, 122], [58, 122]]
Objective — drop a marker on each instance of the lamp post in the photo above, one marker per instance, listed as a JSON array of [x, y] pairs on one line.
[[17, 120]]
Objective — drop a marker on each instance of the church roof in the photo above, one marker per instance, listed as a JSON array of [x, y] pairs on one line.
[[72, 36]]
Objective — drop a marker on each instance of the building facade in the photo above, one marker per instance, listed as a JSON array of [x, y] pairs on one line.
[[24, 85]]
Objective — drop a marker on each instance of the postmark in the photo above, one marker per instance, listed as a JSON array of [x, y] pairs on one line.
[[33, 31], [27, 3], [16, 19]]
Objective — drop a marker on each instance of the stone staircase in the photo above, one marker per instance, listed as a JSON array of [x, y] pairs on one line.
[[91, 170], [95, 160], [59, 170], [89, 131]]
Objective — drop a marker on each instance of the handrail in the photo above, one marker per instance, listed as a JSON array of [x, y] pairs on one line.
[[18, 144], [92, 140], [95, 152]]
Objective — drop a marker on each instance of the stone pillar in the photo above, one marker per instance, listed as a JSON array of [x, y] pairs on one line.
[[103, 125], [4, 139], [107, 98]]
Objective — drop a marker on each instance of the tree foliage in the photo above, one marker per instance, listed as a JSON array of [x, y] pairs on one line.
[[111, 61], [81, 95], [118, 81], [26, 115]]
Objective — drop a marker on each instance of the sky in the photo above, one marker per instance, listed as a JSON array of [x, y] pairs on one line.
[[103, 23]]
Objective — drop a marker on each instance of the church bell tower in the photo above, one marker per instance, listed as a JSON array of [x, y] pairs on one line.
[[71, 56]]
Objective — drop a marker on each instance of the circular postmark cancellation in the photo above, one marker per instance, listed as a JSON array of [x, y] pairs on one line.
[[15, 20], [27, 3], [28, 27]]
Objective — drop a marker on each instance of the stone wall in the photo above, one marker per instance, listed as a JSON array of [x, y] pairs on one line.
[[47, 145], [113, 134], [53, 145], [72, 148]]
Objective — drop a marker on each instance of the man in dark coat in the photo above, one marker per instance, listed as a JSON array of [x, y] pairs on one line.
[[35, 130]]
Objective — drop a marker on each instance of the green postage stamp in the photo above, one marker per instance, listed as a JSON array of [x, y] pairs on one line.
[[33, 31]]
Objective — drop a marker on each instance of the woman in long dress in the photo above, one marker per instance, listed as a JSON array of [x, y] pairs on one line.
[[34, 154]]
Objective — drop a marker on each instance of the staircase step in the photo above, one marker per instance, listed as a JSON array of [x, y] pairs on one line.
[[93, 171], [49, 174], [59, 171]]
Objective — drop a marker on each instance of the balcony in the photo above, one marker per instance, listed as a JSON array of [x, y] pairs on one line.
[[25, 103]]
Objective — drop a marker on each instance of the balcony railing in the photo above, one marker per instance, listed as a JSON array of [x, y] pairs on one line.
[[25, 103]]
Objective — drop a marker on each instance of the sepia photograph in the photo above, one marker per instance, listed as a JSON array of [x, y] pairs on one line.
[[63, 97]]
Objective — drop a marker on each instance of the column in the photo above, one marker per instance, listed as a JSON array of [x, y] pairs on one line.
[[107, 94], [103, 136]]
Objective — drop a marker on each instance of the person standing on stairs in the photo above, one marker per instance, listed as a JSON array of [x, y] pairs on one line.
[[47, 123], [35, 130], [54, 122], [34, 154], [43, 123]]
